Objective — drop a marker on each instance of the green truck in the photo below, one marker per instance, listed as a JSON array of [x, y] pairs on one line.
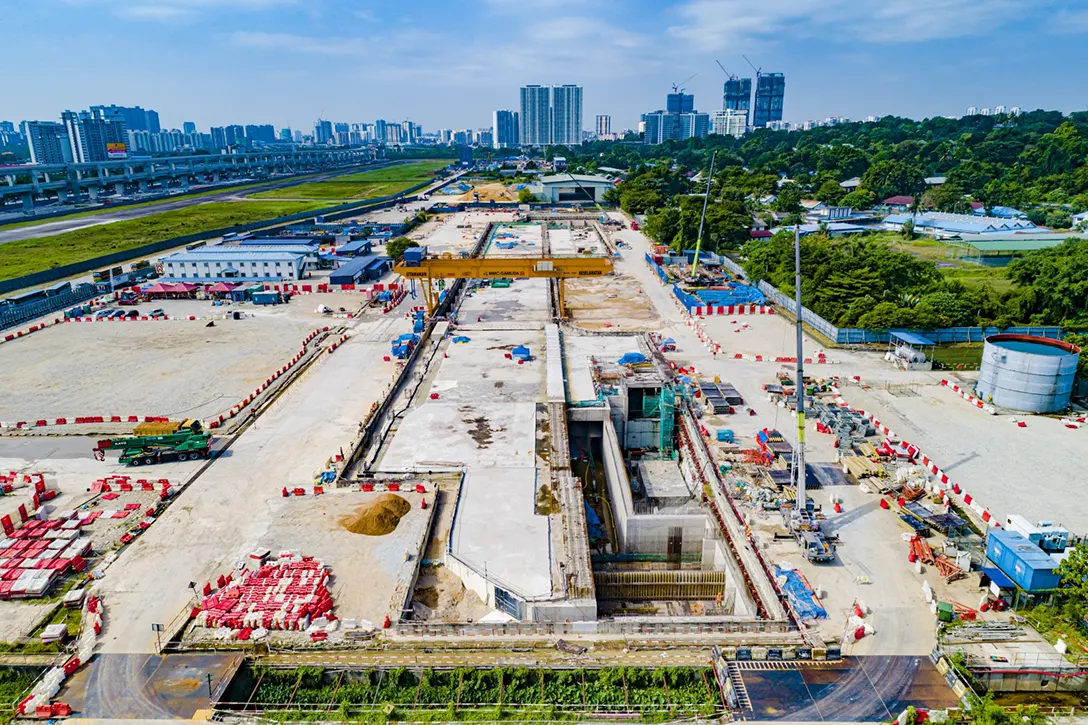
[[145, 450]]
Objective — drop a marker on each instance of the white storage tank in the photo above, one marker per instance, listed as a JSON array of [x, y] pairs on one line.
[[1026, 373]]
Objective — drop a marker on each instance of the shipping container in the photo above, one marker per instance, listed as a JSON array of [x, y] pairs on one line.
[[1030, 568]]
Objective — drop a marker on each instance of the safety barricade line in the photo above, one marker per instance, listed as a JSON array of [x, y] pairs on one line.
[[969, 398]]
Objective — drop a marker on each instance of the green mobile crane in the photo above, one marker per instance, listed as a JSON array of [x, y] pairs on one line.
[[144, 450]]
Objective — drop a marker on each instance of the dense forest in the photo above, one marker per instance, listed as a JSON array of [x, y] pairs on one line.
[[1037, 162]]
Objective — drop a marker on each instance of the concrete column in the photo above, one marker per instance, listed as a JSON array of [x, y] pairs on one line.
[[119, 188], [92, 193], [28, 200], [62, 196], [143, 186], [185, 182], [215, 176]]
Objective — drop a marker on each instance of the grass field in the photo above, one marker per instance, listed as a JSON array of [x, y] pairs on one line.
[[967, 356], [35, 255], [980, 276], [364, 185]]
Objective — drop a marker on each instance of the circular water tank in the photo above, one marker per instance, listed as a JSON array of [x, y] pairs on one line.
[[1032, 374]]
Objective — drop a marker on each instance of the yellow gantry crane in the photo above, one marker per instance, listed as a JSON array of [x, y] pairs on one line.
[[431, 269]]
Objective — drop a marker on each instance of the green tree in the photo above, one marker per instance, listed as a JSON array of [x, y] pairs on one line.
[[859, 199], [890, 178], [948, 197], [830, 192], [663, 226], [395, 248], [907, 231], [1059, 219], [1074, 572], [527, 197]]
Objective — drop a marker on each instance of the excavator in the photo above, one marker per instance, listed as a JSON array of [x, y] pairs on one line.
[[158, 442]]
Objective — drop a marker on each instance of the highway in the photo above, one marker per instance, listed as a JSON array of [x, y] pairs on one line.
[[125, 213]]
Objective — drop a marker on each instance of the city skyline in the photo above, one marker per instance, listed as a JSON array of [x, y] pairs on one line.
[[433, 73]]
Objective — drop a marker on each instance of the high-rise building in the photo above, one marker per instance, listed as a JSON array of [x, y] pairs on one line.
[[567, 115], [678, 122], [737, 96], [680, 103], [299, 136], [536, 116], [504, 129], [188, 127], [730, 122], [135, 118], [219, 137], [95, 136], [342, 134], [235, 135], [323, 132], [48, 141], [483, 137], [285, 134], [7, 127], [604, 126], [380, 127], [769, 99]]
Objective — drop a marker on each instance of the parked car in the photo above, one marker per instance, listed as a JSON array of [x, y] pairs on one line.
[[117, 314], [132, 314], [102, 314], [158, 312]]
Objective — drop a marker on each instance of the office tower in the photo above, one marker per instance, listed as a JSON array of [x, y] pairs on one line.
[[393, 134], [536, 116], [504, 129], [380, 132], [48, 141], [299, 136], [567, 115], [341, 134], [219, 137], [7, 127], [285, 134], [410, 132], [483, 137], [604, 126], [188, 127], [323, 132], [152, 120], [737, 96], [680, 103], [770, 95], [730, 122]]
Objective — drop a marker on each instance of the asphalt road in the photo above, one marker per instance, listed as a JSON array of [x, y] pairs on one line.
[[125, 213]]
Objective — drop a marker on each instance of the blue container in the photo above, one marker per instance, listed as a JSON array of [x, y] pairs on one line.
[[1029, 567]]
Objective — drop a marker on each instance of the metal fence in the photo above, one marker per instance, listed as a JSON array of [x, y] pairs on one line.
[[12, 315], [862, 336]]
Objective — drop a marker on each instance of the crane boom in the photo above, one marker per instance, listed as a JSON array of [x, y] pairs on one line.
[[728, 75], [430, 269], [757, 70]]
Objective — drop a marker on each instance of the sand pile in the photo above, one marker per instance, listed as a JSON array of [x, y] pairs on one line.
[[378, 517]]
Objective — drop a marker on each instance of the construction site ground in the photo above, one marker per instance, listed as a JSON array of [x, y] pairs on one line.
[[177, 368], [237, 506], [872, 539], [1007, 469], [455, 232], [613, 304], [485, 192]]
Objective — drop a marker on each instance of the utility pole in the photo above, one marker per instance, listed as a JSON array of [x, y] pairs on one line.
[[702, 219], [799, 454]]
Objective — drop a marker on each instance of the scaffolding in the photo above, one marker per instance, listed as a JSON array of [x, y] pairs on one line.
[[663, 407]]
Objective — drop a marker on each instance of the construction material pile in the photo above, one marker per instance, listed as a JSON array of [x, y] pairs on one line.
[[285, 594], [37, 553], [377, 517]]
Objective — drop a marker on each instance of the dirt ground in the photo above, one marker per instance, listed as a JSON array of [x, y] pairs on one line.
[[489, 192], [441, 596], [613, 303], [175, 368]]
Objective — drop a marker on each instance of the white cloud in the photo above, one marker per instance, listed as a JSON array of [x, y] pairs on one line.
[[713, 25], [171, 10]]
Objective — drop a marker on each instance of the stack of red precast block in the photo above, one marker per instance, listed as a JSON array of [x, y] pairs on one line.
[[286, 594], [35, 554]]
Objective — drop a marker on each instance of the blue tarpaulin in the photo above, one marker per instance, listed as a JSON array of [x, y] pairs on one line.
[[801, 596], [461, 339], [521, 352], [593, 523], [632, 358]]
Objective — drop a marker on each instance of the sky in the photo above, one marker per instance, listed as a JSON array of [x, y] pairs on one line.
[[450, 63]]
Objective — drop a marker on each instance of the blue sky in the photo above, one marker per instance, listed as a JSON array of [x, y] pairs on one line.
[[450, 63]]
